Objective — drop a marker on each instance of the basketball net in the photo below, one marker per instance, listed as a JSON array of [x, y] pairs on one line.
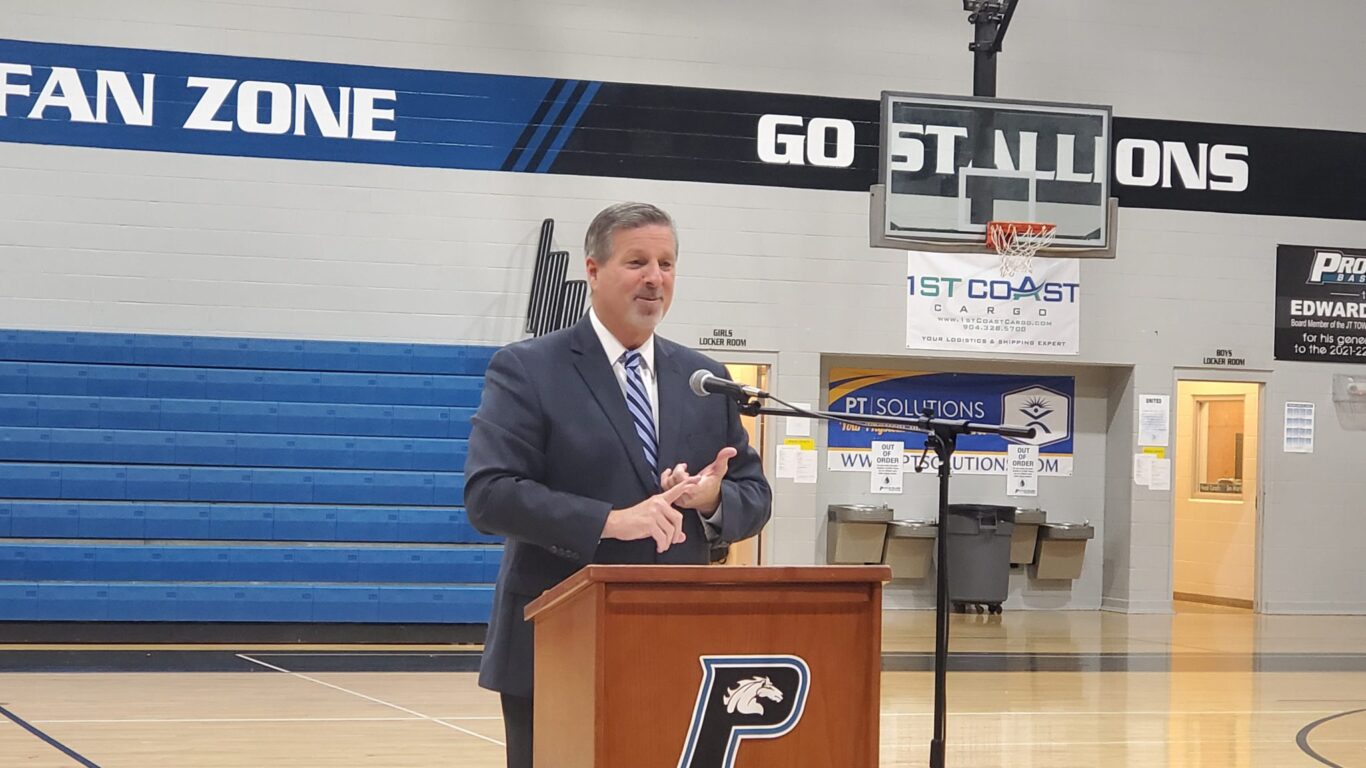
[[1017, 242]]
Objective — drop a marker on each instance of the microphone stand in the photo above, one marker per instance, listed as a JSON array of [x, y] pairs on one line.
[[941, 435]]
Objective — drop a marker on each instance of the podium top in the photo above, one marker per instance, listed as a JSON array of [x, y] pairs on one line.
[[706, 575]]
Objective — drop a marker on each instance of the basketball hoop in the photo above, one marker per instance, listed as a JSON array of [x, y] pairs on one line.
[[1018, 242]]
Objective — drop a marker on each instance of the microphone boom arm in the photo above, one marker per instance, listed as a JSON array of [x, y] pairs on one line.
[[941, 435]]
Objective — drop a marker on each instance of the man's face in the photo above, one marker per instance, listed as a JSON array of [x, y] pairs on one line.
[[633, 288]]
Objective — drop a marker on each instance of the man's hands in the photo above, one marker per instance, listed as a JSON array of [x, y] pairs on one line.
[[656, 517], [704, 493], [653, 518]]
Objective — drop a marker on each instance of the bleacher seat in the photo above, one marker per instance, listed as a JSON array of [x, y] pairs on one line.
[[181, 478]]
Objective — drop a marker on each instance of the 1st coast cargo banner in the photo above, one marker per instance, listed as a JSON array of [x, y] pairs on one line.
[[1043, 402], [961, 301]]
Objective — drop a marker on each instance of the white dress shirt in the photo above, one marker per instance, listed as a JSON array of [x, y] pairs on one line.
[[615, 349]]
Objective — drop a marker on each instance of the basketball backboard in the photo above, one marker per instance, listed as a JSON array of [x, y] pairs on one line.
[[950, 164]]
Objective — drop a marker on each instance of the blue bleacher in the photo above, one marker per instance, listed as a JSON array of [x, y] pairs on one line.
[[245, 522], [130, 413], [69, 602], [179, 521], [19, 410], [347, 603], [79, 411], [111, 521], [295, 602], [303, 523], [179, 383], [179, 478], [190, 415]]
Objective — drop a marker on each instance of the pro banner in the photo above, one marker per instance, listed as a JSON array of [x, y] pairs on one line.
[[960, 301], [1042, 402], [1320, 304]]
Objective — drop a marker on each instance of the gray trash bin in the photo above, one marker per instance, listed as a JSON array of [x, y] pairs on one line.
[[979, 554], [856, 533]]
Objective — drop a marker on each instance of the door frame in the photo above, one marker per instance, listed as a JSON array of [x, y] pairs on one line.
[[770, 427], [1259, 498]]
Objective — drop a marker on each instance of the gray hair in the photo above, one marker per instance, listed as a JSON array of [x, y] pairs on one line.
[[597, 244]]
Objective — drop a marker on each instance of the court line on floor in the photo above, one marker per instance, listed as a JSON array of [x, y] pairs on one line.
[[888, 742], [1302, 738], [51, 742], [485, 718], [368, 653], [1120, 713], [163, 720], [452, 726]]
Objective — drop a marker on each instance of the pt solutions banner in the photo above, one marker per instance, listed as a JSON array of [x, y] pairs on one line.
[[960, 302], [1042, 402]]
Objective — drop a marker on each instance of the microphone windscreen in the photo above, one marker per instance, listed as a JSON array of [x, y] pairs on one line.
[[697, 382]]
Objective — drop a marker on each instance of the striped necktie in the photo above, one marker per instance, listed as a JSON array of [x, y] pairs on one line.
[[638, 403]]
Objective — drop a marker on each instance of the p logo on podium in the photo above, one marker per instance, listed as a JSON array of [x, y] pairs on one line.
[[743, 697]]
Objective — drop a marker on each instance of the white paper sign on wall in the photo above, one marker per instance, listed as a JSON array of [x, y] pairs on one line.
[[1022, 470], [887, 466]]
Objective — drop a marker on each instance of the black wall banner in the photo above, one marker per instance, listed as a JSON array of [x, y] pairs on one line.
[[699, 134], [1320, 304], [693, 134], [164, 101]]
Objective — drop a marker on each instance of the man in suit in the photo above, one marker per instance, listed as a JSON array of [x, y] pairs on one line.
[[589, 447]]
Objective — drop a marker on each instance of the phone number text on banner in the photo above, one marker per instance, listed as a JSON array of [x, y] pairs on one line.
[[1043, 402]]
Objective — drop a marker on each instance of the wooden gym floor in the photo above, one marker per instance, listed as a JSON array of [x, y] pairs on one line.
[[1204, 687]]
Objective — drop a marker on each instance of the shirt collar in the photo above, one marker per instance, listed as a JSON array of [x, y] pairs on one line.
[[615, 349]]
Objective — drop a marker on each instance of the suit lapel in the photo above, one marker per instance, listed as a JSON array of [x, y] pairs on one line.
[[673, 393], [591, 363]]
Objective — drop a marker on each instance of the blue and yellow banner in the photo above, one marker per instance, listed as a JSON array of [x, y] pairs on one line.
[[1043, 402]]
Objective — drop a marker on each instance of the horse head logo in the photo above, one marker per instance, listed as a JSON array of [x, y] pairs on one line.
[[744, 697]]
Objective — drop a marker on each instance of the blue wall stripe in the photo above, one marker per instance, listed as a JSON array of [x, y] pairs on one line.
[[558, 107], [568, 128]]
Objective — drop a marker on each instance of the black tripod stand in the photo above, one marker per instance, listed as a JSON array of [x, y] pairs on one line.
[[941, 436]]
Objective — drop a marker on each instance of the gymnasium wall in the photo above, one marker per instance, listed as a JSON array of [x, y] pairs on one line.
[[248, 244]]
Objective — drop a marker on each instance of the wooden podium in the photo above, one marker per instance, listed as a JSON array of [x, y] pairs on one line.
[[665, 666]]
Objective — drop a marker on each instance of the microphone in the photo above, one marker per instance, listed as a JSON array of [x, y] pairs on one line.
[[703, 382]]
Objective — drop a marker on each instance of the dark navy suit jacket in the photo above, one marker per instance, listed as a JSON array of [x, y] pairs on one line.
[[553, 449]]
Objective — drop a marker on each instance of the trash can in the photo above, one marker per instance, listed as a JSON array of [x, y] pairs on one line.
[[910, 548], [856, 533], [979, 555], [1062, 546], [1027, 522]]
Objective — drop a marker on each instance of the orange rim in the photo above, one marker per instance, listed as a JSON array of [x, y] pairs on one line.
[[1001, 233]]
